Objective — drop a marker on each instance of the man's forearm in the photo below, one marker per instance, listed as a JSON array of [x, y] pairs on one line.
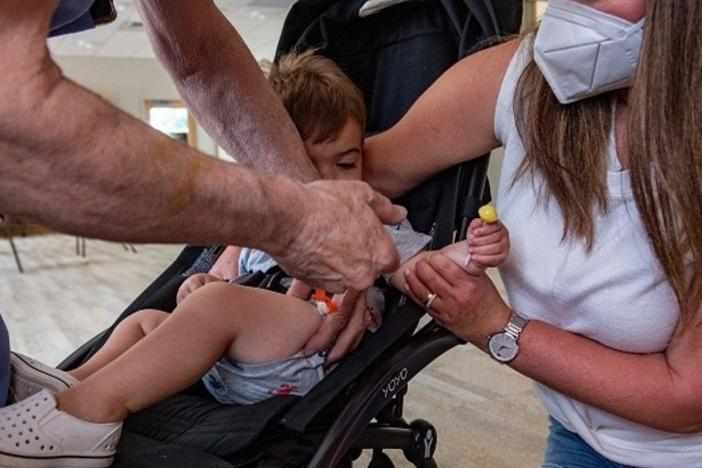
[[224, 86], [73, 162]]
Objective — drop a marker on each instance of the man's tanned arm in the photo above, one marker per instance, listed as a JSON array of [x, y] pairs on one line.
[[223, 85], [75, 163]]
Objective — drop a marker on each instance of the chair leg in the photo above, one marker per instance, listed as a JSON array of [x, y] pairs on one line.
[[80, 246], [127, 247], [15, 253], [8, 234]]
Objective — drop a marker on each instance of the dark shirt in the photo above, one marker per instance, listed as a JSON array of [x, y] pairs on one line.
[[78, 15]]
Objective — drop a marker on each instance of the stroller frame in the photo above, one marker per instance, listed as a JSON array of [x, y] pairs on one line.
[[378, 394], [381, 393]]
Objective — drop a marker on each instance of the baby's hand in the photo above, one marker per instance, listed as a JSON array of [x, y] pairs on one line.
[[488, 244], [193, 283]]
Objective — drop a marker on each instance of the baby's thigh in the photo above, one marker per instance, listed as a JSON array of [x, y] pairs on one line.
[[146, 320], [267, 326]]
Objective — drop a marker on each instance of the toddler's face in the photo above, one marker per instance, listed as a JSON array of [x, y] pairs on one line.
[[341, 158]]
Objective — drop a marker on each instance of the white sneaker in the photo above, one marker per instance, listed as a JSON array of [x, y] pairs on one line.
[[33, 433], [29, 376]]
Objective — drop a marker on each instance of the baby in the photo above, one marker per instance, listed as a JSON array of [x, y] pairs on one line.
[[246, 342]]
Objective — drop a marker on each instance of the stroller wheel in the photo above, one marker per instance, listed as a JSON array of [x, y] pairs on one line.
[[424, 438], [380, 460]]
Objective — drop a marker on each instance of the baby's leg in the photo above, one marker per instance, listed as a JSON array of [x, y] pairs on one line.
[[125, 335], [247, 324]]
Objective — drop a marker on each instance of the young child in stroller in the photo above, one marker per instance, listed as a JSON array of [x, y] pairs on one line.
[[246, 342]]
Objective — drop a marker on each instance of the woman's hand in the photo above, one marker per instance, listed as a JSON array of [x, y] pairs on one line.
[[467, 305], [193, 283]]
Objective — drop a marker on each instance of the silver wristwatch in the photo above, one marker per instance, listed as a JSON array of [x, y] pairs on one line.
[[503, 346]]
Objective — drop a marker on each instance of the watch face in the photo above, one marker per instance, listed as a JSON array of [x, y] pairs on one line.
[[502, 347]]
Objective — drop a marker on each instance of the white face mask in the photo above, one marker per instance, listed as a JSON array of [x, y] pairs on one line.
[[583, 52]]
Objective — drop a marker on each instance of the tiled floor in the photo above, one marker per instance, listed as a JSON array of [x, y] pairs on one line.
[[486, 415]]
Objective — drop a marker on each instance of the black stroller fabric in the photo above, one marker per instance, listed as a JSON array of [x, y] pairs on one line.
[[393, 57]]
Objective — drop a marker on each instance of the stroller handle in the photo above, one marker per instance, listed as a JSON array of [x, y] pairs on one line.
[[477, 178]]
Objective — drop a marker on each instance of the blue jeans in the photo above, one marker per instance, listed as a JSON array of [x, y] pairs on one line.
[[565, 449], [4, 362]]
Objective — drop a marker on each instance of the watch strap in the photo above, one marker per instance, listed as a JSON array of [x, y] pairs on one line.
[[515, 325]]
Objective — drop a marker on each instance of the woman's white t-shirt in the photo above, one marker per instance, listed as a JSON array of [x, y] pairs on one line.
[[615, 294]]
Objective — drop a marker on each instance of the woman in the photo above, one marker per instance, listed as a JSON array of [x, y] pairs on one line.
[[600, 188]]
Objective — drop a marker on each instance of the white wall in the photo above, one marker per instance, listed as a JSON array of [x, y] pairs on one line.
[[127, 83], [496, 158]]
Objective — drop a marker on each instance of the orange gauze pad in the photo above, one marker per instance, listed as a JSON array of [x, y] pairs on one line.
[[320, 295]]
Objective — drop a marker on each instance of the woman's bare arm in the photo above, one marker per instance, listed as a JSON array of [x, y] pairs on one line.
[[452, 122], [661, 390]]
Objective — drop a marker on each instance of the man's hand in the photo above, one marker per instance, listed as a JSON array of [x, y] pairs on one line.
[[299, 290], [194, 283], [333, 236], [346, 326]]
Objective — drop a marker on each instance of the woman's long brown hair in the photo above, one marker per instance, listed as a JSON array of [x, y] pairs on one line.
[[567, 145]]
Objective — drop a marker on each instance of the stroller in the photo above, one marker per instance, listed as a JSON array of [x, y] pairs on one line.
[[359, 405]]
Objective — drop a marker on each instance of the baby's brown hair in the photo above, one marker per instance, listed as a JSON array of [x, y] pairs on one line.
[[319, 97]]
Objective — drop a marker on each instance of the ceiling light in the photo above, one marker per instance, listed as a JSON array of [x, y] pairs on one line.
[[256, 14], [86, 44]]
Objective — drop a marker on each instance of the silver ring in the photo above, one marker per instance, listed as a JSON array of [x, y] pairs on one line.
[[430, 300]]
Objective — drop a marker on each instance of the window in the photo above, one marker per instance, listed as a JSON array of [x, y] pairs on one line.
[[173, 119]]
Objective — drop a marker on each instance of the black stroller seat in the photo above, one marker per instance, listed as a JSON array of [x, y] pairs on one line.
[[393, 56]]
